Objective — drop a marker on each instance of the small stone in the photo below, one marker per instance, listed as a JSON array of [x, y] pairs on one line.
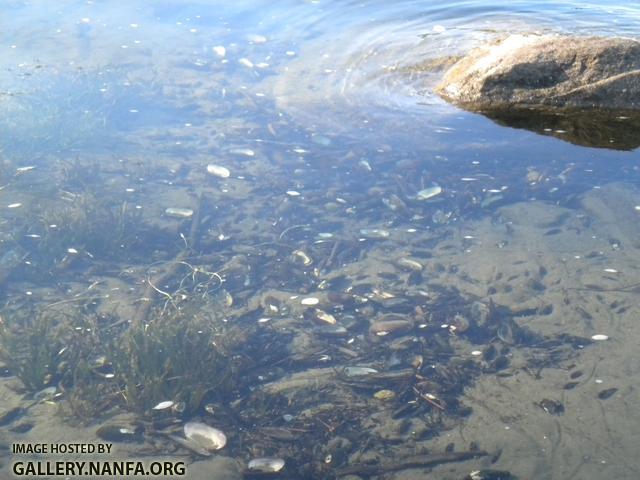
[[384, 395]]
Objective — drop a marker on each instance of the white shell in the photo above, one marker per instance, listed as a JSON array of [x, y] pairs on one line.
[[428, 193], [257, 38], [358, 371], [218, 171], [163, 405], [599, 337], [178, 212], [247, 152], [325, 317], [310, 301], [246, 62], [205, 436], [266, 465], [374, 233]]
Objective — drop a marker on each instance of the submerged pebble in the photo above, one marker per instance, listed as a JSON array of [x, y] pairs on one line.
[[599, 337], [384, 395], [552, 407]]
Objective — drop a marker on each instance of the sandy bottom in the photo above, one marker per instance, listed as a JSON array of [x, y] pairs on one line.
[[584, 262]]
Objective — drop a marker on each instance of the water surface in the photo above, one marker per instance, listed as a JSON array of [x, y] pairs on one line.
[[323, 114]]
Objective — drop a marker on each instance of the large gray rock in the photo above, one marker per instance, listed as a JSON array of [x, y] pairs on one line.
[[547, 71], [585, 90]]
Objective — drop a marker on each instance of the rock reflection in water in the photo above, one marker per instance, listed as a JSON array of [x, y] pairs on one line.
[[589, 128]]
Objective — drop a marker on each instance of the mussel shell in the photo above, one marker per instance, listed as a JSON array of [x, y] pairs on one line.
[[120, 433], [266, 465], [205, 436], [12, 415], [383, 327], [22, 427]]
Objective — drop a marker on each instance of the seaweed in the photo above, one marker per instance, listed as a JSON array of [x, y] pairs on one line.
[[92, 223], [30, 343], [181, 355]]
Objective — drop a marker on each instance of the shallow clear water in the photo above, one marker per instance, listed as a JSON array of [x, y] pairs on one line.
[[323, 113]]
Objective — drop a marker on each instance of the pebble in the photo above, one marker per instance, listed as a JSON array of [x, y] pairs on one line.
[[384, 395], [599, 337]]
